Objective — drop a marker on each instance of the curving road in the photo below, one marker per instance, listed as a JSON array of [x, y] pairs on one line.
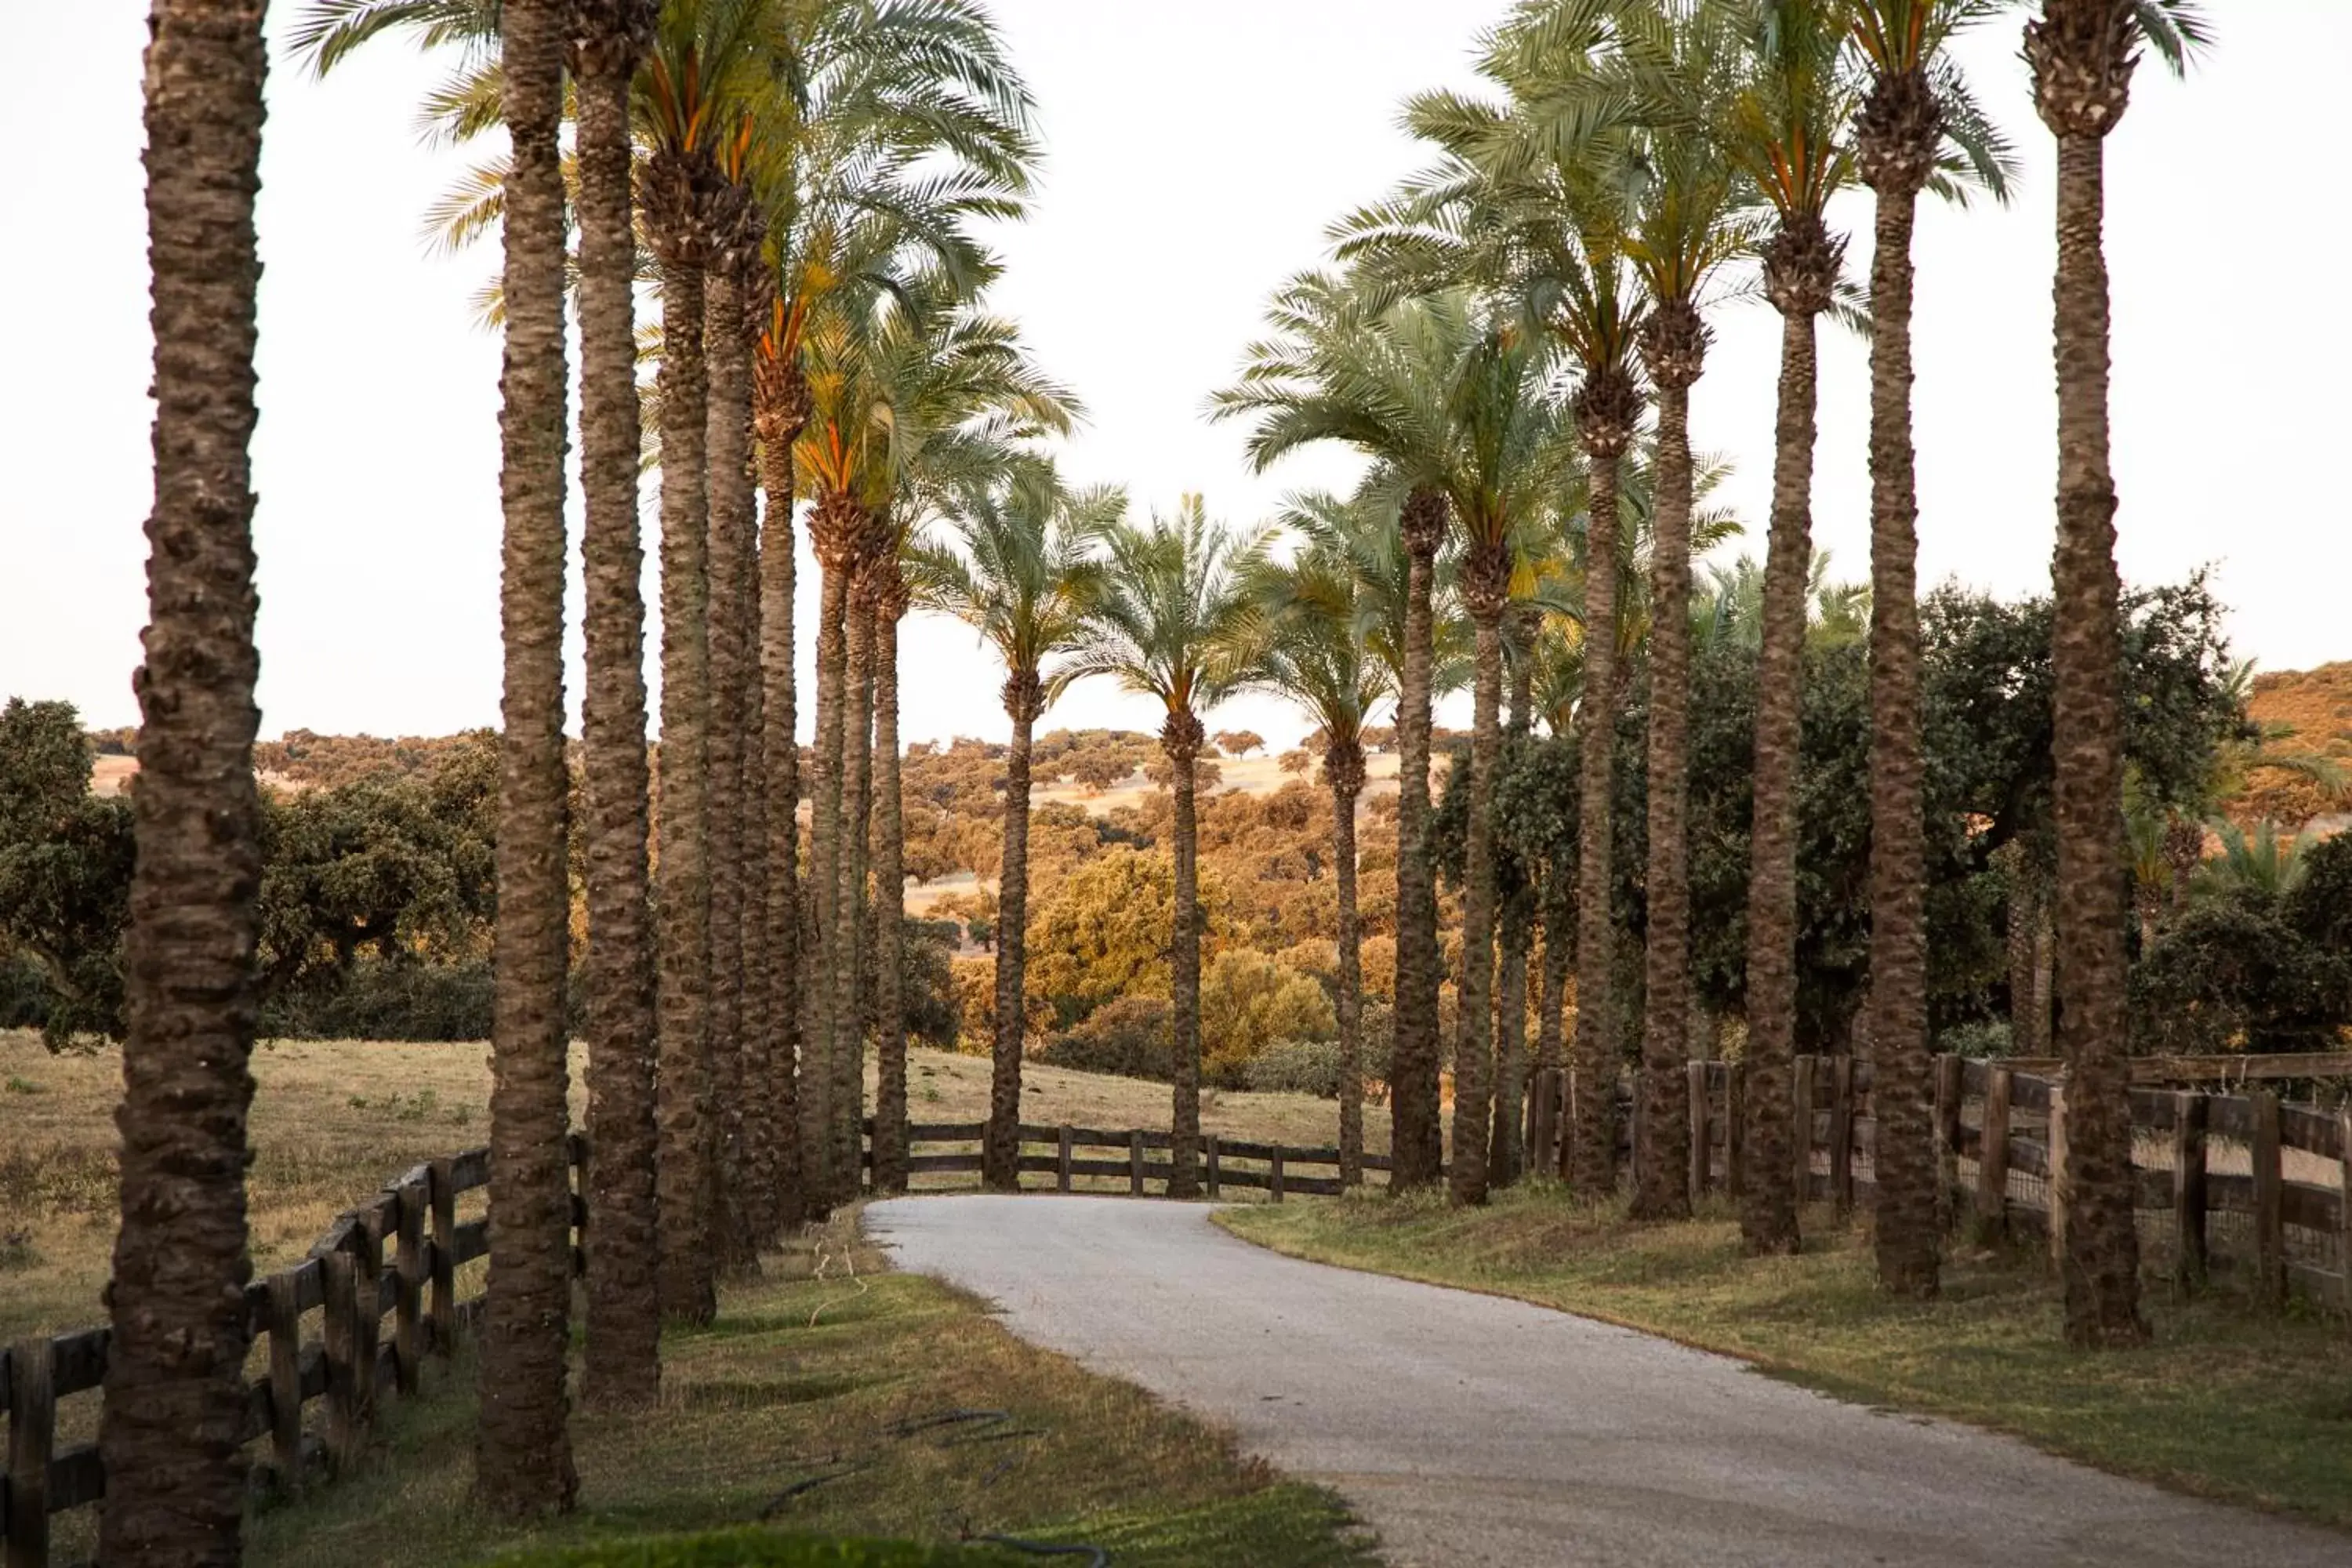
[[1470, 1429]]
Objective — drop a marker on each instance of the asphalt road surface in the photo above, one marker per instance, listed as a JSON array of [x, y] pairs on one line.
[[1469, 1429]]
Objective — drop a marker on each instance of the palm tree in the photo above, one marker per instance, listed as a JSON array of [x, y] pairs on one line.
[[1454, 407], [1170, 620], [2083, 53], [1316, 649], [1021, 572], [1916, 96], [1785, 129], [174, 1381], [624, 1342], [522, 1460]]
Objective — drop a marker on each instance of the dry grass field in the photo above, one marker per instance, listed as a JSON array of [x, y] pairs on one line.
[[333, 1120]]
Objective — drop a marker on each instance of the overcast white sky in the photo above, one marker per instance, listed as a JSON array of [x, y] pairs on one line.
[[1197, 152]]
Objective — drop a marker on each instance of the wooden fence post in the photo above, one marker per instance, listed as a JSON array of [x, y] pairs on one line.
[[1273, 1173], [1735, 1129], [1695, 1094], [367, 1297], [286, 1378], [2189, 1113], [2269, 1198], [337, 1271], [1062, 1175], [442, 1315], [1801, 1141], [1213, 1176], [409, 1323], [1135, 1161], [1841, 1134], [2060, 1188], [1948, 1068], [32, 1431], [2343, 1207], [1992, 1157]]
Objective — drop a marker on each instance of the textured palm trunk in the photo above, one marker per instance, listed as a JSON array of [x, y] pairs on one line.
[[681, 881], [1907, 1224], [851, 976], [2028, 1011], [780, 411], [758, 1200], [522, 1455], [1505, 1154], [1418, 1135], [727, 452], [1591, 1124], [623, 1367], [889, 897], [833, 529], [1768, 1218], [1551, 1002], [2101, 1262], [173, 1428], [1001, 1149], [1674, 348], [1181, 737], [1343, 768], [1487, 572]]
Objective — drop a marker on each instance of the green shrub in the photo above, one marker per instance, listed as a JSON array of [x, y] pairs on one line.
[[758, 1549], [375, 1000], [1131, 1036], [1296, 1067], [1980, 1038]]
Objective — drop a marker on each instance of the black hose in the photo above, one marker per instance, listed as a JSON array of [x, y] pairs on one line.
[[1096, 1557]]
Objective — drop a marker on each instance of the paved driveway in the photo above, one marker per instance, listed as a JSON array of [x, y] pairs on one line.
[[1469, 1429]]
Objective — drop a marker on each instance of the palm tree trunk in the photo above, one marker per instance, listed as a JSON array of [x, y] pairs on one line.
[[780, 410], [681, 881], [1000, 1150], [1417, 1119], [1181, 737], [889, 895], [2097, 1189], [1675, 349], [1506, 1152], [760, 1028], [1908, 1230], [1768, 1219], [836, 527], [1343, 767], [850, 977], [1487, 579], [522, 1457], [171, 1431], [730, 509], [1551, 1002], [623, 1350], [1592, 1132]]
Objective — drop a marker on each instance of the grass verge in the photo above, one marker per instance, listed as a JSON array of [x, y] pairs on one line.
[[2225, 1403], [836, 1398]]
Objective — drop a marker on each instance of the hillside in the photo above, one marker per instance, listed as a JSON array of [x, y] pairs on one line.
[[2314, 707]]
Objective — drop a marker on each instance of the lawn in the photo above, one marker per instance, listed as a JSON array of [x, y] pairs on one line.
[[2225, 1403], [833, 1396]]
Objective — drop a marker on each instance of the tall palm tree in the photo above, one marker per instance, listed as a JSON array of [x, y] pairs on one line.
[[1316, 649], [1915, 95], [1020, 571], [174, 1381], [1170, 620], [1786, 129], [2083, 53], [522, 1461], [1453, 406], [1506, 1153], [624, 1343]]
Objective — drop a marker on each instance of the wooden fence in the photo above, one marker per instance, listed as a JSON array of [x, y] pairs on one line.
[[1140, 1166], [348, 1368], [2238, 1180]]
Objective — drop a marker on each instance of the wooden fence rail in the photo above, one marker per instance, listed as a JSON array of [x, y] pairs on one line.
[[348, 1370], [1275, 1169]]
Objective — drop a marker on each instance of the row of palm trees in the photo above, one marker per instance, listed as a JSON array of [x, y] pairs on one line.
[[800, 179]]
